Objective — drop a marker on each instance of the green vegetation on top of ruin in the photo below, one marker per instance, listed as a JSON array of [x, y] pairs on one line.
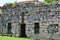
[[14, 4], [51, 1]]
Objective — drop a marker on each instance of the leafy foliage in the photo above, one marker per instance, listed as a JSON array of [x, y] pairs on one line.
[[51, 1], [14, 4]]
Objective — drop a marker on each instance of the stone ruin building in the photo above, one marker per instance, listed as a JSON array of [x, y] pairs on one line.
[[30, 18]]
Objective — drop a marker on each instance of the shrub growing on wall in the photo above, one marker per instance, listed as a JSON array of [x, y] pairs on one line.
[[51, 1], [14, 4]]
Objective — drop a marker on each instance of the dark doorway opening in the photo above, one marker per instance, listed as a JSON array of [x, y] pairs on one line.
[[9, 29], [22, 31], [36, 28]]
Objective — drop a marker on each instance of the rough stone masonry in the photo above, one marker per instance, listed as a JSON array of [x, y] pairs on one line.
[[28, 19]]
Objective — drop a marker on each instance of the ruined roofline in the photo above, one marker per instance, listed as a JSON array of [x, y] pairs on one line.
[[27, 2], [31, 2], [7, 4]]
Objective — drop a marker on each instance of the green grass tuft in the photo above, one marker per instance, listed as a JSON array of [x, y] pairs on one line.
[[11, 38]]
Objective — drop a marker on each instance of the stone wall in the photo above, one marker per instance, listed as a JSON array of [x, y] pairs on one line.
[[45, 19], [43, 14]]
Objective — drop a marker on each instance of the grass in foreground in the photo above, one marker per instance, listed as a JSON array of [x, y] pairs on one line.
[[11, 38]]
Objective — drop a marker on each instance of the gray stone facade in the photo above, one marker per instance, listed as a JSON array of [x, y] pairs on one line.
[[46, 15]]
